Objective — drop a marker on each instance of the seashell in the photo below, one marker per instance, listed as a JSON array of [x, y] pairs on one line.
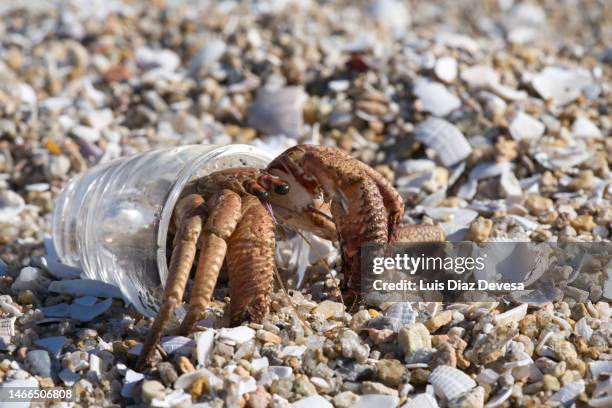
[[185, 380], [177, 345], [7, 326], [449, 382], [7, 305], [339, 85], [604, 402], [53, 345], [468, 190], [204, 346], [85, 287], [526, 223], [207, 55], [408, 167], [11, 205], [538, 297], [421, 401], [435, 98], [371, 400], [490, 169], [603, 388], [445, 139], [516, 314], [559, 85], [524, 126], [393, 15], [238, 334], [509, 185], [446, 69], [568, 394], [499, 398], [130, 381], [460, 41], [506, 92], [562, 158], [585, 129], [479, 76], [149, 58], [402, 311], [452, 220], [31, 279], [278, 111], [314, 401], [598, 368]]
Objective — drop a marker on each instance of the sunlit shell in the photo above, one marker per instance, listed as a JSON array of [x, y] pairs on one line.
[[278, 111], [445, 139], [559, 85], [499, 398], [449, 382], [402, 311], [567, 394], [11, 205], [516, 314], [421, 401], [7, 327], [435, 98]]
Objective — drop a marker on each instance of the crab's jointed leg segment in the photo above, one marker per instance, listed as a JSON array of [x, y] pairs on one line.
[[189, 228], [224, 214], [250, 262]]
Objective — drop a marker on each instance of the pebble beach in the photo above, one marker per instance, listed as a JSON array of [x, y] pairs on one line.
[[493, 119]]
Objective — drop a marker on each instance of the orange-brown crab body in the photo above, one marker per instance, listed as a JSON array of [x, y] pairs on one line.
[[315, 188]]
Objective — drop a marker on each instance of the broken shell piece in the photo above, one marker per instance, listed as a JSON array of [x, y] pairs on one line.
[[449, 382], [403, 312], [517, 314], [185, 380], [479, 76], [584, 128], [435, 98], [11, 205], [446, 69], [598, 368], [31, 279], [568, 394], [7, 327], [499, 398], [445, 139], [524, 126], [559, 85], [421, 401], [278, 111]]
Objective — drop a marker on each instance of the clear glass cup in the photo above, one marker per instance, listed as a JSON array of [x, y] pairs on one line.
[[112, 221]]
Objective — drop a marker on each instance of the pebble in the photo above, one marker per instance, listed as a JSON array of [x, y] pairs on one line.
[[38, 362], [329, 310], [435, 98], [413, 338], [524, 126], [391, 372], [446, 69], [238, 334], [314, 401], [371, 387]]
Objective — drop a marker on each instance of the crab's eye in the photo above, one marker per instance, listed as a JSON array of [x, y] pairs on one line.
[[261, 194], [282, 189]]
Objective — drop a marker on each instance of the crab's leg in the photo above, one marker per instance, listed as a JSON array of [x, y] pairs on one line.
[[250, 262], [223, 216], [183, 254]]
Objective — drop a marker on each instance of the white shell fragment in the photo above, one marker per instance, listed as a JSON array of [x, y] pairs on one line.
[[559, 85], [403, 312], [278, 111], [204, 345], [445, 139], [567, 394], [421, 401], [7, 326], [585, 129], [449, 382], [516, 314], [393, 15], [315, 401], [435, 98], [11, 205], [238, 334], [376, 400], [524, 126], [446, 69], [177, 345]]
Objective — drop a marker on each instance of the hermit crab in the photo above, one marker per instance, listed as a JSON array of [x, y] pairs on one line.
[[230, 217]]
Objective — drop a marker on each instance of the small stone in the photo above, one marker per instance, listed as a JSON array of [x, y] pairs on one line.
[[315, 401], [440, 319], [352, 346], [391, 372], [167, 373], [185, 365], [413, 338], [584, 128], [38, 362], [302, 386], [471, 399], [345, 399], [583, 223], [538, 205], [238, 334], [329, 310], [259, 398], [446, 69], [445, 355], [564, 349], [359, 320], [480, 229], [551, 383], [371, 387], [268, 337], [524, 126], [151, 390]]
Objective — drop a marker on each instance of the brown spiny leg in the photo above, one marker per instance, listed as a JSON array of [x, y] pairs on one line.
[[250, 262], [189, 222], [224, 212]]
